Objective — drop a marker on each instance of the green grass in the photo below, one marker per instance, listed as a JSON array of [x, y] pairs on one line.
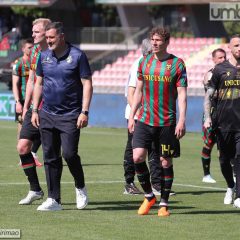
[[197, 212]]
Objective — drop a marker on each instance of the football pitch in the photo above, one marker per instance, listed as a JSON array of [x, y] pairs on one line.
[[197, 210]]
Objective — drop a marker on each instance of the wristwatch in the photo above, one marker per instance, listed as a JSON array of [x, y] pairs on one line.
[[35, 110], [85, 112]]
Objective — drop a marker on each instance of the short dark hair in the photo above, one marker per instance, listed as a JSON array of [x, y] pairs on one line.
[[162, 32], [234, 36], [218, 50], [23, 42], [55, 25]]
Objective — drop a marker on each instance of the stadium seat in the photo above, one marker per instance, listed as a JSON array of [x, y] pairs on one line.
[[113, 77]]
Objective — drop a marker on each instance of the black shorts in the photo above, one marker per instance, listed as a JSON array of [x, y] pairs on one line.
[[28, 131], [164, 139], [18, 116], [228, 144]]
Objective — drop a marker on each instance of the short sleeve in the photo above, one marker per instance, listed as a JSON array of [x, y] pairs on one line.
[[181, 74], [84, 67], [39, 70], [133, 74], [213, 83], [16, 69], [139, 71], [31, 58]]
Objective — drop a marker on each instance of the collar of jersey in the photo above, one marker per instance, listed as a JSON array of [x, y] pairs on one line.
[[66, 53]]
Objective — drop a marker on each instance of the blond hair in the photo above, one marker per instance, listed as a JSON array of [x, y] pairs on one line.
[[44, 21]]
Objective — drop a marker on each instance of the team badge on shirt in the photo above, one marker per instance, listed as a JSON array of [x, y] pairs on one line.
[[168, 66], [228, 73], [69, 59], [47, 60]]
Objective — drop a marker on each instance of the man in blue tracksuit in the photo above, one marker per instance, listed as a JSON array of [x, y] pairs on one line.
[[64, 82]]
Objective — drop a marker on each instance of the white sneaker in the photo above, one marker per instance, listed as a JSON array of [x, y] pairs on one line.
[[81, 197], [208, 179], [237, 203], [50, 205], [32, 196], [228, 199]]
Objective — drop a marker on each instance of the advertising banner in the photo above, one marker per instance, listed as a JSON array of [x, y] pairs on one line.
[[7, 106]]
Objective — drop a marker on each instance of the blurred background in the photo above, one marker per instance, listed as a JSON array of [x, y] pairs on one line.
[[110, 32]]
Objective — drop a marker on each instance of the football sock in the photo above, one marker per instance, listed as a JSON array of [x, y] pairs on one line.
[[168, 176], [129, 171], [234, 168], [155, 170], [143, 176], [206, 160], [36, 145], [237, 170], [29, 169], [128, 164], [149, 196], [226, 169]]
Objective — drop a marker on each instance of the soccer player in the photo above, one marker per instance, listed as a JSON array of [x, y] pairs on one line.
[[161, 80], [208, 135], [128, 164], [29, 133], [20, 76], [225, 84], [64, 79]]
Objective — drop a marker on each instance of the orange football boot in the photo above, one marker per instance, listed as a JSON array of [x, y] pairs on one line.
[[146, 205], [163, 212]]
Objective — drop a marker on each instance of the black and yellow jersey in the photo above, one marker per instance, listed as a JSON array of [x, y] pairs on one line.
[[226, 81]]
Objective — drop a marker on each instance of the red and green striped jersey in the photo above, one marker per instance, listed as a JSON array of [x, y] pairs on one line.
[[34, 57], [21, 69], [160, 82]]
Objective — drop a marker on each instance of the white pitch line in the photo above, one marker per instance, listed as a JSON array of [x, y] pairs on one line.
[[105, 133], [195, 186], [44, 183], [112, 182], [85, 131]]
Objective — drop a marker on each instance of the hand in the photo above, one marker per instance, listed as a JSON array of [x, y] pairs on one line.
[[180, 130], [82, 121], [131, 125], [207, 122], [19, 107], [35, 119]]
